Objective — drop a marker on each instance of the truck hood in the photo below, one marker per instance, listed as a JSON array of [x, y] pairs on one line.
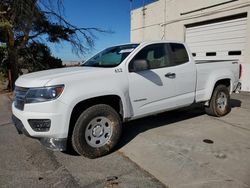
[[41, 78]]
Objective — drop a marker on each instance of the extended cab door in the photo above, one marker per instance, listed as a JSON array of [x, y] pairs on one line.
[[168, 82], [152, 89], [184, 69]]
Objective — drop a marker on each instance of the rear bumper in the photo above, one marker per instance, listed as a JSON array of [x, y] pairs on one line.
[[55, 144], [238, 88]]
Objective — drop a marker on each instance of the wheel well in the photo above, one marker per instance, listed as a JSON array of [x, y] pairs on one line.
[[112, 100], [226, 82]]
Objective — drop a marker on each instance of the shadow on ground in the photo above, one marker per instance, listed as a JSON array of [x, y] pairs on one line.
[[235, 103], [134, 128]]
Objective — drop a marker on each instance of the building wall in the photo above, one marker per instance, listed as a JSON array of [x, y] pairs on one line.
[[146, 22], [246, 65], [163, 20]]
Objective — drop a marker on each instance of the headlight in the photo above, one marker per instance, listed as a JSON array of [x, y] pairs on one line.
[[43, 94]]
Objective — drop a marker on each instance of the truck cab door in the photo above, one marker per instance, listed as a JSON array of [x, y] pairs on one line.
[[184, 69], [151, 85]]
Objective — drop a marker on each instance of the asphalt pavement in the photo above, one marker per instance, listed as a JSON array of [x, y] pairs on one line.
[[181, 149], [25, 163]]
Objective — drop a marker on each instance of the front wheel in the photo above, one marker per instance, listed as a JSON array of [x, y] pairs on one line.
[[220, 102], [96, 131]]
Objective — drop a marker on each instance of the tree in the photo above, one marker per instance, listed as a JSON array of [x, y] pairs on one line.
[[3, 60], [36, 57], [26, 21]]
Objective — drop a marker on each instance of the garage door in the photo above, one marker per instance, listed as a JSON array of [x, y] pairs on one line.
[[218, 40]]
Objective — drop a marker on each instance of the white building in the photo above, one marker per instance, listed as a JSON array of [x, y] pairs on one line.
[[213, 29]]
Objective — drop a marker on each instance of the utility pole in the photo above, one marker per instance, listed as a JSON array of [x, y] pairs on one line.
[[130, 13], [143, 7]]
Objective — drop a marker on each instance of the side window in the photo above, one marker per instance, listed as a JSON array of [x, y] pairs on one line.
[[178, 53], [155, 55]]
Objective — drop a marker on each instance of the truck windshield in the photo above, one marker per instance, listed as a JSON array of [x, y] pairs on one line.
[[110, 57]]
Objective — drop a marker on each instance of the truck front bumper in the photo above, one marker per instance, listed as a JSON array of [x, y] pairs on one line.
[[53, 114], [55, 144]]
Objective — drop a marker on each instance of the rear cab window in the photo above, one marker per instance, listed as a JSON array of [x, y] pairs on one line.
[[178, 54]]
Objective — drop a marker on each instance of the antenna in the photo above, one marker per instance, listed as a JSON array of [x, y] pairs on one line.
[[131, 4], [143, 7]]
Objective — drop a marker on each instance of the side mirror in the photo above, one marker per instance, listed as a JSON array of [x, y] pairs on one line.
[[140, 65]]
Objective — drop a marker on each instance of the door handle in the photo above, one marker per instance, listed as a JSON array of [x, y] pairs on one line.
[[170, 75]]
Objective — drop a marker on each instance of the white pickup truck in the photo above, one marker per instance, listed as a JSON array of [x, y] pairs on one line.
[[85, 106]]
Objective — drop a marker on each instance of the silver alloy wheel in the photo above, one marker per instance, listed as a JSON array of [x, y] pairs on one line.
[[98, 131], [222, 101]]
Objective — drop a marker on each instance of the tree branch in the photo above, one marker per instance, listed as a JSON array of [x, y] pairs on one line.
[[73, 27]]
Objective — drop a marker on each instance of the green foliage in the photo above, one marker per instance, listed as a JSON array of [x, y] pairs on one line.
[[3, 45], [5, 24], [3, 61], [36, 57], [2, 77]]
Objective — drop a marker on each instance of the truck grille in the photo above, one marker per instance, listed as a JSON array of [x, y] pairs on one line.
[[19, 99]]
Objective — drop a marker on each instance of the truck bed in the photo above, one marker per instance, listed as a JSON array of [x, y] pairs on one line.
[[209, 70]]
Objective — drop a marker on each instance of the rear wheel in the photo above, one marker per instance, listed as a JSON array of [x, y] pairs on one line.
[[219, 104], [96, 131]]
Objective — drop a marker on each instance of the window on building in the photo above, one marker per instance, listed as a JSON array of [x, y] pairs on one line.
[[211, 54], [234, 53]]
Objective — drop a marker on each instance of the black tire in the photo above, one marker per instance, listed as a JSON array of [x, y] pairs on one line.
[[83, 144], [219, 109]]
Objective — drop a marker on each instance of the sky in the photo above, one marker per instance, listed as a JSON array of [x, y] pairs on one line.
[[111, 15]]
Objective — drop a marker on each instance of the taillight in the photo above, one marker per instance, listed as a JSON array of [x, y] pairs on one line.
[[240, 71]]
